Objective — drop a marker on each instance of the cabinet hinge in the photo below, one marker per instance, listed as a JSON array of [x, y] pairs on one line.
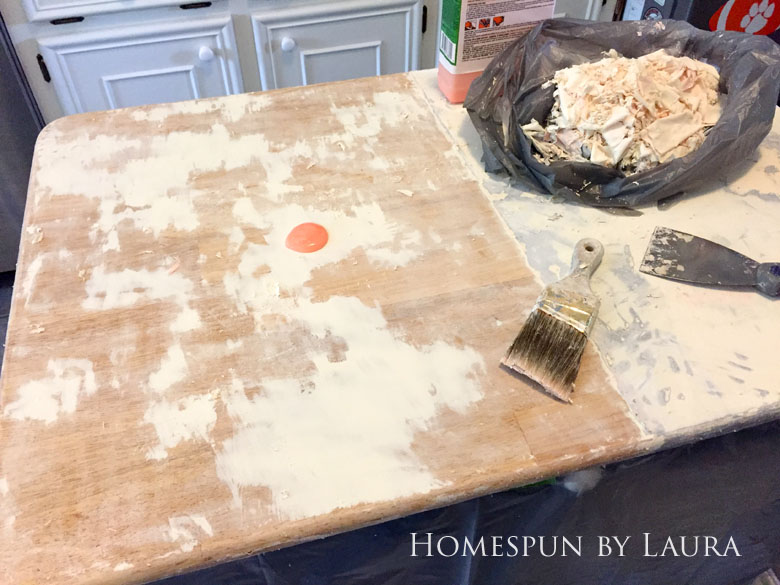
[[194, 5], [44, 69], [424, 18], [68, 20]]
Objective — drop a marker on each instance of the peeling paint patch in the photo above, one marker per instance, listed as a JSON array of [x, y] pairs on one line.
[[59, 393], [123, 566], [185, 531]]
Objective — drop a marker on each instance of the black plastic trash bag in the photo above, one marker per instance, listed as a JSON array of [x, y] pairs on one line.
[[509, 93]]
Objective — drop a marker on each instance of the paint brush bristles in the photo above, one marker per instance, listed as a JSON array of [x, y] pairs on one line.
[[549, 347], [548, 351]]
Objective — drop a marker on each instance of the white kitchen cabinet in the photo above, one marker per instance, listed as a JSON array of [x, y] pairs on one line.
[[155, 63], [332, 41], [84, 55]]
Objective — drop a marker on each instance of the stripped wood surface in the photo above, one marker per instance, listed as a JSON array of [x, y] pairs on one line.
[[181, 389]]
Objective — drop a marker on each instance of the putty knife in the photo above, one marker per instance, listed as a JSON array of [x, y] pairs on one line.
[[680, 256]]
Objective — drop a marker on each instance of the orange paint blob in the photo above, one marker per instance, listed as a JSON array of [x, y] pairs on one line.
[[307, 237]]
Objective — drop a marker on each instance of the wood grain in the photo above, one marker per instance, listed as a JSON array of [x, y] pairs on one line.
[[85, 503]]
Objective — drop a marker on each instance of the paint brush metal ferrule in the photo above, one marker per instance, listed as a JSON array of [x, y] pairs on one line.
[[577, 312], [570, 299]]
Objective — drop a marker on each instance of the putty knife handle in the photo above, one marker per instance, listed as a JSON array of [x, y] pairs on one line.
[[768, 278], [587, 257]]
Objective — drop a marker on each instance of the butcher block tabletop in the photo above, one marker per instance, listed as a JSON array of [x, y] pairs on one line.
[[183, 385]]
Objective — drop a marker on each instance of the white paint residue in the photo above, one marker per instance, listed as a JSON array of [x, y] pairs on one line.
[[183, 530], [3, 486], [192, 417], [366, 227], [404, 249], [36, 234], [173, 368], [151, 203], [366, 120], [109, 290], [46, 398], [245, 212], [232, 344], [356, 123], [236, 238], [201, 522], [30, 275], [112, 241], [241, 287], [399, 108], [187, 320], [352, 422], [156, 193], [230, 109], [378, 164], [123, 566], [278, 167]]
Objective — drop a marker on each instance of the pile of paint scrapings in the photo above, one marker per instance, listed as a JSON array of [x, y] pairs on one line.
[[631, 114]]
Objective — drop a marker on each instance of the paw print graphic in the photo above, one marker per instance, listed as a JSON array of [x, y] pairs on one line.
[[757, 16]]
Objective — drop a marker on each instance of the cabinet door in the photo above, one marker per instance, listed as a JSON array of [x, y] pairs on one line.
[[586, 10], [143, 65], [42, 10], [336, 40]]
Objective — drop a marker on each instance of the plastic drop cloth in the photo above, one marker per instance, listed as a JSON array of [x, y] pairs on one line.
[[509, 93]]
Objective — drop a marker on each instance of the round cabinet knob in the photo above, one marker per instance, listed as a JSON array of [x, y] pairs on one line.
[[288, 44], [205, 53]]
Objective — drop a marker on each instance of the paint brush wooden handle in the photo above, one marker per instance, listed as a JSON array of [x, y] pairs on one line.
[[587, 256]]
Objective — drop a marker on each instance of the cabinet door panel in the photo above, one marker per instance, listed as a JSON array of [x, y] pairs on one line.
[[341, 62], [577, 9], [173, 62], [167, 85], [42, 10], [336, 41]]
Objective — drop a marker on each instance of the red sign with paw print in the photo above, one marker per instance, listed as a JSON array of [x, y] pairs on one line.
[[756, 17]]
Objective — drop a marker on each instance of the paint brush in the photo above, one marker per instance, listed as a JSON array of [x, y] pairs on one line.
[[549, 347]]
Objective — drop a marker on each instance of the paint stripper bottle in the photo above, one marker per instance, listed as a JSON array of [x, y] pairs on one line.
[[475, 31]]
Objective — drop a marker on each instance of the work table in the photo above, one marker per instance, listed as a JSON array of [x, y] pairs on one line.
[[180, 388]]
